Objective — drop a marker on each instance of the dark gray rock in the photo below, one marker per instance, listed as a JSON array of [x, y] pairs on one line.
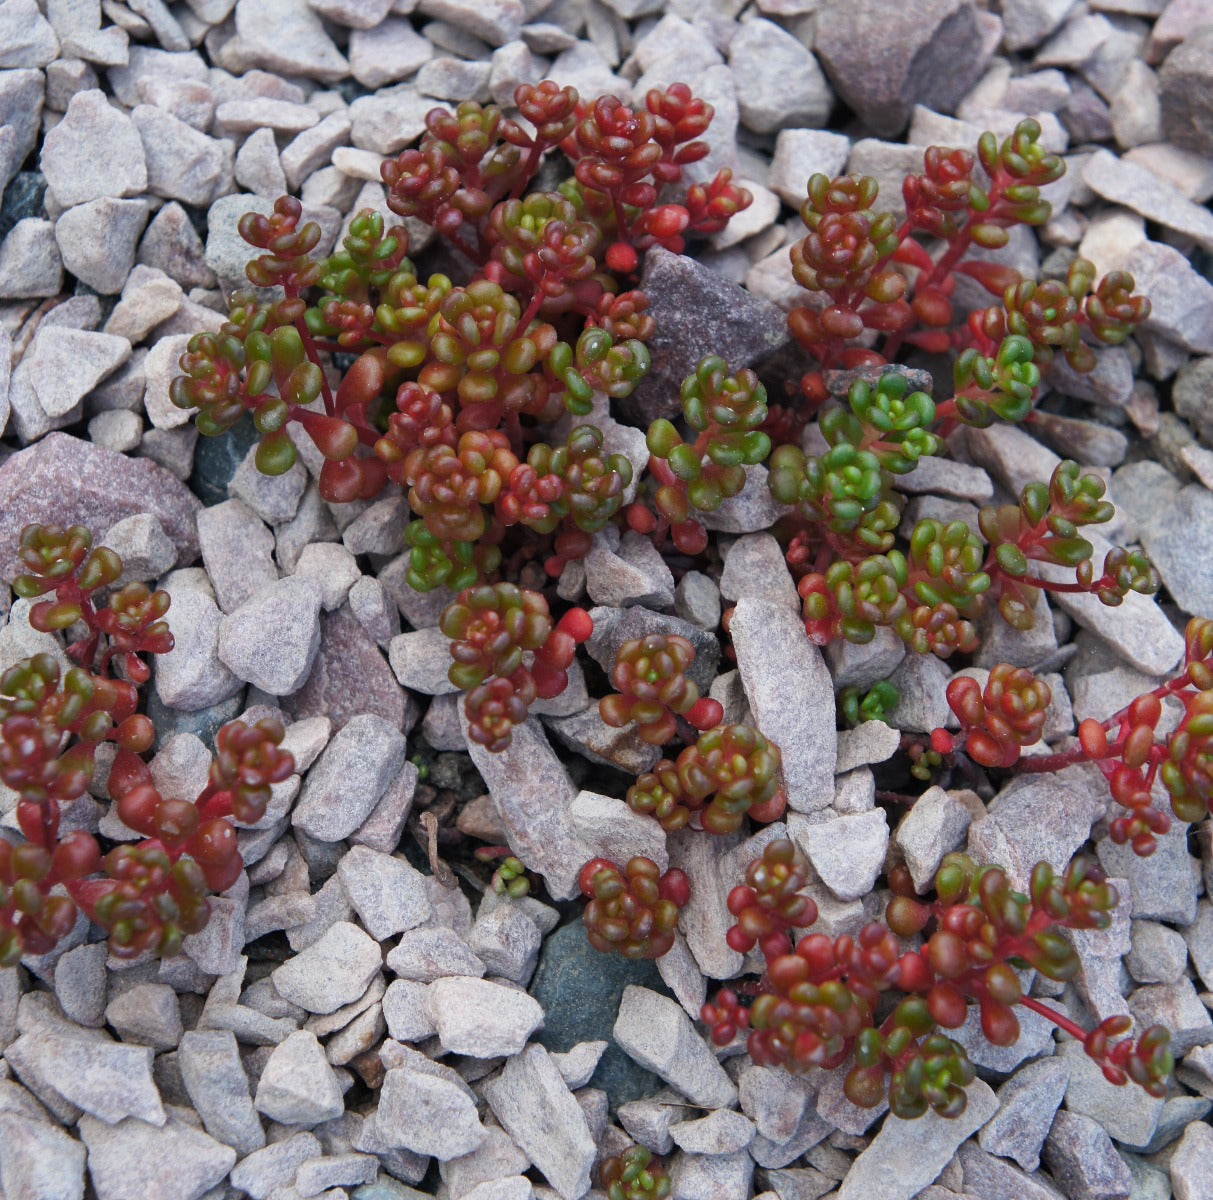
[[580, 990], [1186, 83], [67, 481], [1082, 1159], [351, 676], [883, 57], [1027, 1103], [697, 313]]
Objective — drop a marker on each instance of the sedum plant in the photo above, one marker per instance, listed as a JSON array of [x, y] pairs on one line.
[[150, 894], [469, 392], [826, 1000]]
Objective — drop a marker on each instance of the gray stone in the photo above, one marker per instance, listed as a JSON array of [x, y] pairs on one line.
[[227, 253], [532, 793], [330, 972], [387, 893], [993, 1178], [934, 826], [350, 677], [432, 953], [1028, 22], [427, 1114], [146, 1014], [1027, 1103], [697, 600], [658, 1034], [257, 167], [388, 121], [105, 1079], [335, 1171], [349, 778], [160, 367], [383, 828], [297, 1085], [774, 1100], [847, 852], [26, 37], [783, 83], [1181, 299], [1180, 549], [778, 662], [421, 659], [173, 1162], [706, 919], [1141, 190], [1160, 886], [721, 1132], [611, 830], [1129, 1118], [724, 320], [285, 36], [495, 21], [1190, 1163], [171, 244], [1189, 395], [1083, 1161], [97, 241], [537, 1110], [73, 169], [376, 613], [80, 983], [67, 364], [182, 163], [868, 743], [621, 572], [405, 1012], [219, 1089], [1177, 1006], [706, 1176], [275, 1166], [271, 639], [480, 1018], [446, 78], [118, 431], [507, 941], [883, 59], [190, 677], [1034, 819], [386, 52], [920, 681], [274, 498], [800, 153], [30, 263], [1158, 954], [314, 148], [905, 1156], [1187, 116], [39, 1161]]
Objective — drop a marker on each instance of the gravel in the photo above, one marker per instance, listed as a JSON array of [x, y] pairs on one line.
[[339, 970]]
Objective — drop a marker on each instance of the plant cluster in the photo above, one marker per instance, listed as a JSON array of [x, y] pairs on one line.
[[507, 654], [1127, 748], [634, 1175], [451, 391], [652, 688], [152, 893], [825, 1001], [633, 911]]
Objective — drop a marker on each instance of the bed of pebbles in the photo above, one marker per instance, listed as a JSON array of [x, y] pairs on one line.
[[350, 1026]]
